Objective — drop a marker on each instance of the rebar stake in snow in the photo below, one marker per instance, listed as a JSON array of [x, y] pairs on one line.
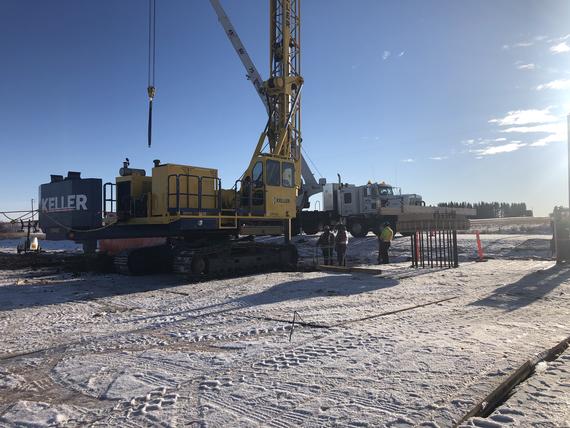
[[295, 315]]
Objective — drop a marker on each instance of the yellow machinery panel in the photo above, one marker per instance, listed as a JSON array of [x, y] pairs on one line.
[[281, 202], [132, 195], [140, 185], [184, 189]]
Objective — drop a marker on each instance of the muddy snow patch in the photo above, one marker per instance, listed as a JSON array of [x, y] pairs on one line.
[[10, 380], [37, 414]]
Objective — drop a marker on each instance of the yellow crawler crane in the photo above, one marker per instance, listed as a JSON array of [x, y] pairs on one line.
[[200, 221]]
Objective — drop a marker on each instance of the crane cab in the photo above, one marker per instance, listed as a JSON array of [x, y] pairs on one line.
[[269, 188]]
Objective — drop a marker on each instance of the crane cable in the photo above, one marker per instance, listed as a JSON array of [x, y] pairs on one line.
[[312, 163], [151, 90], [22, 217]]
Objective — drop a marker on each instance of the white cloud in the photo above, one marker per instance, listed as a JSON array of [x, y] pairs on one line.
[[532, 121], [386, 55], [549, 128], [519, 45], [438, 158], [555, 84], [556, 133], [559, 135], [559, 39], [402, 53], [409, 160], [553, 138], [529, 66], [560, 48], [504, 148], [524, 117]]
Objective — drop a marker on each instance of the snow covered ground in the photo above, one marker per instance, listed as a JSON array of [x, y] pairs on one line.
[[513, 225], [406, 348], [505, 247]]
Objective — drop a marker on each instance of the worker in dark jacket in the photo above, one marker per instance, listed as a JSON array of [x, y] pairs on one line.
[[326, 242], [341, 243], [384, 240]]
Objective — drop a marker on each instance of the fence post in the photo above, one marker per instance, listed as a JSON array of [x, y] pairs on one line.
[[455, 250], [417, 247], [412, 243]]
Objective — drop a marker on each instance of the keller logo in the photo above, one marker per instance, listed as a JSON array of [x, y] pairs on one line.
[[64, 203]]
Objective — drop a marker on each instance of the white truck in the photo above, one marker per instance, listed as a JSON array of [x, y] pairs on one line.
[[362, 209]]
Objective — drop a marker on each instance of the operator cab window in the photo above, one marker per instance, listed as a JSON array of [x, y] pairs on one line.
[[273, 173], [288, 173], [348, 198], [257, 174], [386, 191]]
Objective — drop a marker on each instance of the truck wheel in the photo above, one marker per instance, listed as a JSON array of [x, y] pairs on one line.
[[312, 229], [358, 229]]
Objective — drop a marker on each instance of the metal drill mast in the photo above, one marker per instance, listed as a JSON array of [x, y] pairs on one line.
[[283, 88], [281, 92]]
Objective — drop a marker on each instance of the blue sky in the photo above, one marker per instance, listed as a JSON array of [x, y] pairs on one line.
[[454, 100]]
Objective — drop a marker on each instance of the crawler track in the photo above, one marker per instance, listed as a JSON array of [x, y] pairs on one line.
[[226, 259]]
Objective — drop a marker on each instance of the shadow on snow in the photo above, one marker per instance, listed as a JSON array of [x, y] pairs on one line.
[[80, 289], [96, 287], [526, 290]]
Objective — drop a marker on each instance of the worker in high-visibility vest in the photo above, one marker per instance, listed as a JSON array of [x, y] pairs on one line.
[[384, 240]]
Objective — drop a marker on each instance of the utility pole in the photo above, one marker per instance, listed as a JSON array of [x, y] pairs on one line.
[[33, 209]]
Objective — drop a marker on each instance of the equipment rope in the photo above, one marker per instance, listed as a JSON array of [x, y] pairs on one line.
[[27, 214], [70, 229], [151, 41], [14, 220], [151, 90]]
